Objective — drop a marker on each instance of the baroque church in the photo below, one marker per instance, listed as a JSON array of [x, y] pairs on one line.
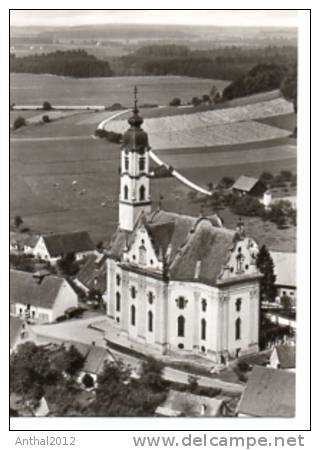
[[178, 283]]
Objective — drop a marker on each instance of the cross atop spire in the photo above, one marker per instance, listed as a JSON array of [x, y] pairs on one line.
[[135, 93], [135, 120]]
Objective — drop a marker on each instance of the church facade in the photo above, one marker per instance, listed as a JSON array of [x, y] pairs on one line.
[[178, 283]]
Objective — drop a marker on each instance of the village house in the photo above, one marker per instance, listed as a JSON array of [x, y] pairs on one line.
[[178, 283], [94, 359], [22, 242], [285, 272], [245, 185], [39, 298], [283, 357], [53, 247], [91, 278], [269, 393], [186, 404]]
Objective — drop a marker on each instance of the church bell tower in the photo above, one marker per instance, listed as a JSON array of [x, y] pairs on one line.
[[135, 177]]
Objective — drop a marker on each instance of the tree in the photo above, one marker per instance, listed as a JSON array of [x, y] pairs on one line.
[[206, 98], [213, 92], [196, 101], [267, 283], [68, 264], [175, 102], [288, 86], [286, 302], [193, 382], [226, 182], [69, 361], [46, 119], [266, 177], [152, 374], [17, 221], [31, 371], [19, 122], [46, 106]]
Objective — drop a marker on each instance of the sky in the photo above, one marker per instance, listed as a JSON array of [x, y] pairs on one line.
[[279, 18]]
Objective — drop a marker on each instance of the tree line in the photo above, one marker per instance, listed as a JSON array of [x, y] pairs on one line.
[[226, 63], [73, 63]]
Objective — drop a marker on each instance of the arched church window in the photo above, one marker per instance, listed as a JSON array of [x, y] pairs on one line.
[[142, 193], [142, 255], [118, 279], [150, 321], [150, 297], [133, 292], [181, 325], [133, 315], [181, 302], [142, 164], [118, 302], [203, 329], [204, 305], [238, 329], [238, 305], [126, 163], [126, 192]]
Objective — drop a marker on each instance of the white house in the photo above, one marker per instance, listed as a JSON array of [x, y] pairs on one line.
[[39, 298], [53, 247], [285, 272], [178, 283]]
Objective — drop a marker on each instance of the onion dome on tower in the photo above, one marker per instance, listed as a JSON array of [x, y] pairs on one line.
[[135, 138]]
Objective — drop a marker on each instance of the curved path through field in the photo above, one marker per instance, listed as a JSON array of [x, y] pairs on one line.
[[157, 160]]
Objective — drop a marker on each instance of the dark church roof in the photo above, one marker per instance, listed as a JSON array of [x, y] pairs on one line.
[[135, 138], [196, 248]]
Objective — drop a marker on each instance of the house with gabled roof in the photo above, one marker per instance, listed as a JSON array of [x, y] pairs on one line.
[[38, 298], [176, 282], [245, 185], [53, 247], [283, 357], [269, 393]]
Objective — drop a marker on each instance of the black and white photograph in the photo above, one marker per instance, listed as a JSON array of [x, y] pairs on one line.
[[153, 214]]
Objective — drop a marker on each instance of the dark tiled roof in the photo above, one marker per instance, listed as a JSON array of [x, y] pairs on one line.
[[94, 357], [199, 246], [287, 356], [61, 244], [93, 269], [27, 289], [15, 327], [269, 393]]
